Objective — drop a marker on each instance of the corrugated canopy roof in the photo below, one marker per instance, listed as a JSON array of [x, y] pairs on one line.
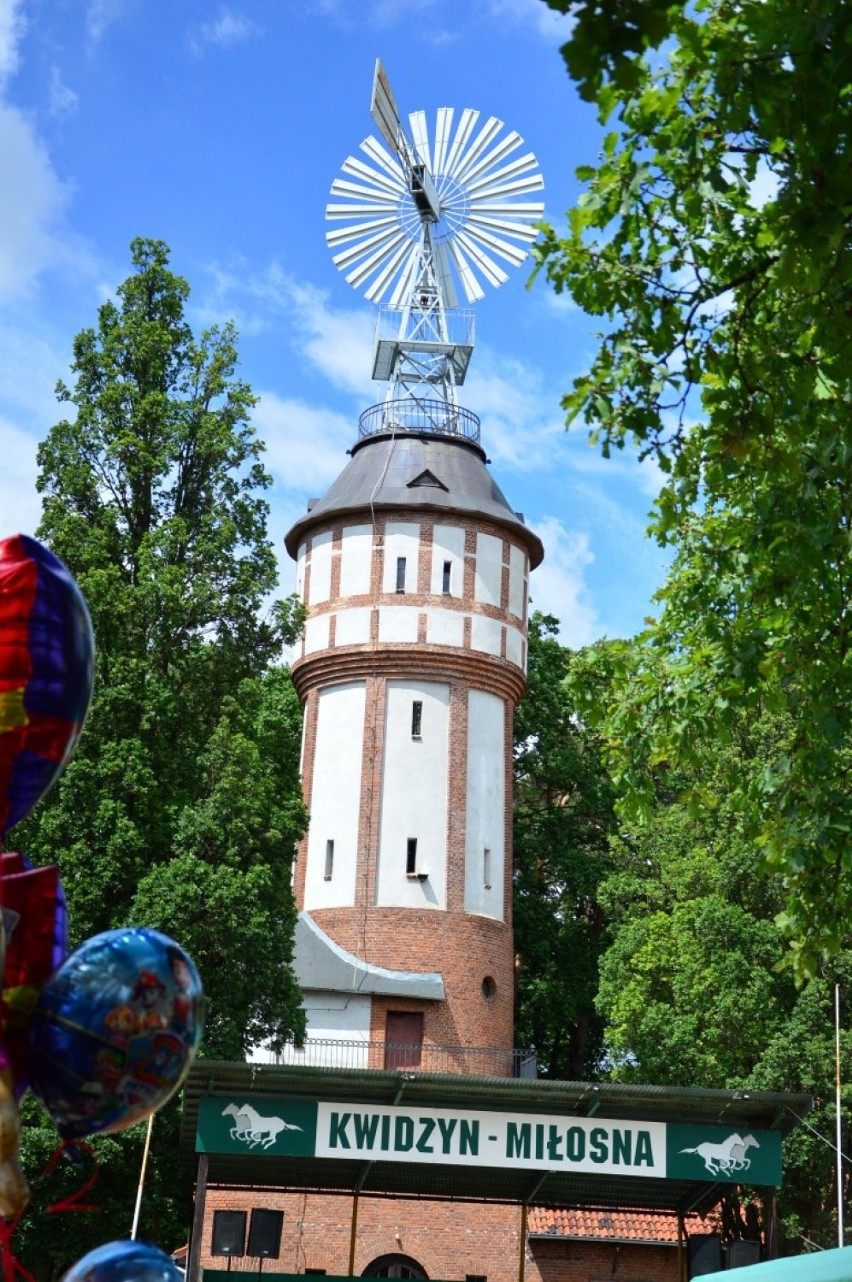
[[766, 1110]]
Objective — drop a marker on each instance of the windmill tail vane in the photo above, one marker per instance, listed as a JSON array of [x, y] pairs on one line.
[[419, 226]]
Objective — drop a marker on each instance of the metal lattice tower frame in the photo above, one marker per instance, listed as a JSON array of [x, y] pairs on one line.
[[421, 225]]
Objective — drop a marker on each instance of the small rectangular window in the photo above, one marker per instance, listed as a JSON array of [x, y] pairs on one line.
[[400, 574], [329, 859], [416, 719], [411, 857], [448, 571], [486, 868]]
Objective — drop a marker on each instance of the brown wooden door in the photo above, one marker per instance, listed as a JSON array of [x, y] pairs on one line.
[[403, 1039]]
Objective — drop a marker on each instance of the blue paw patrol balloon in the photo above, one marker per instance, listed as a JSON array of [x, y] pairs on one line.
[[114, 1031], [124, 1262]]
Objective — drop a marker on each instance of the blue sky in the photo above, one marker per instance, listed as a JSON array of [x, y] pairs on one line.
[[219, 127]]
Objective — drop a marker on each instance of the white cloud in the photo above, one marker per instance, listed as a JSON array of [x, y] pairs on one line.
[[305, 445], [336, 341], [20, 505], [62, 100], [536, 15], [558, 586], [11, 30], [229, 28], [32, 200], [101, 14]]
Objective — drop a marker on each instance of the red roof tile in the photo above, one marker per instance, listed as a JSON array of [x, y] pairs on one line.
[[620, 1226]]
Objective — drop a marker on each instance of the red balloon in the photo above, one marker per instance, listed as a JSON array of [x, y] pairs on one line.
[[46, 673]]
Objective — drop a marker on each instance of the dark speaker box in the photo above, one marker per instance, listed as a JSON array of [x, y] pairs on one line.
[[265, 1233], [742, 1253], [229, 1233], [705, 1254]]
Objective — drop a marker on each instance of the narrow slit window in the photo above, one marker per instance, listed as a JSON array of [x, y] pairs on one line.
[[411, 857], [416, 719], [329, 859], [400, 574], [448, 574], [486, 868]]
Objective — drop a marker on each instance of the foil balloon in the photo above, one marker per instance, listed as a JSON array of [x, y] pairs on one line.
[[114, 1031], [34, 925], [124, 1262], [46, 673]]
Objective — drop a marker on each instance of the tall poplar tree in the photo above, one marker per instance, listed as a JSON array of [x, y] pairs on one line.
[[182, 806]]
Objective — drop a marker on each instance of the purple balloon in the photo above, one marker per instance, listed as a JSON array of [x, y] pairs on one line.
[[114, 1031], [124, 1262]]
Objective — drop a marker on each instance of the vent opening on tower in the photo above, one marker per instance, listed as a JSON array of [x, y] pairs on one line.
[[429, 479], [447, 577], [400, 574], [416, 719]]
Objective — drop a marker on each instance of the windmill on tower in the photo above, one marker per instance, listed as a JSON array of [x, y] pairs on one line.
[[421, 225]]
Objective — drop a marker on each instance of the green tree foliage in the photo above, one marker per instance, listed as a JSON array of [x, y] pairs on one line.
[[713, 238], [562, 817], [693, 993], [182, 806]]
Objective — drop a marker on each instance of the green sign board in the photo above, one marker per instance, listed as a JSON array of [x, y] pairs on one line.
[[457, 1137]]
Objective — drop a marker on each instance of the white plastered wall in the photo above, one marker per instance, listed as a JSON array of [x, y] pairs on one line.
[[402, 538], [316, 633], [414, 796], [320, 586], [331, 1017], [335, 799], [486, 634], [398, 623], [444, 627], [300, 570], [489, 569], [447, 545], [517, 581], [355, 557], [486, 805], [353, 626]]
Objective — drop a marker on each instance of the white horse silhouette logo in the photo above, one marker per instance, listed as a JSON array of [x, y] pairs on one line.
[[252, 1129], [728, 1157]]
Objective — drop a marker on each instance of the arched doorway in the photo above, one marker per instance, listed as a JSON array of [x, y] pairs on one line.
[[394, 1266]]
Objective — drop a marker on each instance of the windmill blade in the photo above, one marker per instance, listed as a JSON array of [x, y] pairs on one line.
[[352, 253], [482, 207], [444, 273], [514, 170], [492, 272], [488, 131], [504, 148], [333, 212], [352, 165], [510, 253], [380, 284], [520, 230], [471, 286], [420, 135], [361, 273], [342, 188], [519, 185], [341, 234], [467, 124], [404, 286], [443, 129], [373, 148]]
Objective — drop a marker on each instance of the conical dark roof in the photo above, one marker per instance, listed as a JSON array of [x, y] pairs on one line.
[[415, 471]]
